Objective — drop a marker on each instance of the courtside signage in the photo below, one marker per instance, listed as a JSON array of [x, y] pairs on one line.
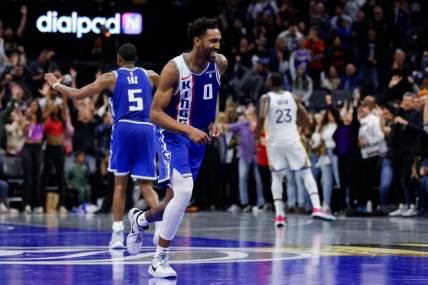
[[125, 23]]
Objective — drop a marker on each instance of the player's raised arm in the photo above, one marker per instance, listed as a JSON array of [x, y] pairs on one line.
[[105, 81], [163, 94]]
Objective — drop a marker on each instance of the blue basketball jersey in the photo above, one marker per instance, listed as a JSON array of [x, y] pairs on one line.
[[132, 96], [194, 101]]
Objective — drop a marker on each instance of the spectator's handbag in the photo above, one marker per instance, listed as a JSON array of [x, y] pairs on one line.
[[373, 150]]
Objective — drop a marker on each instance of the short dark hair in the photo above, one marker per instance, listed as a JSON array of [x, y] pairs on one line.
[[276, 79], [128, 52], [200, 26]]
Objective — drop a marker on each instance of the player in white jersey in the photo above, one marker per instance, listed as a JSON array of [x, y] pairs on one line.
[[284, 147]]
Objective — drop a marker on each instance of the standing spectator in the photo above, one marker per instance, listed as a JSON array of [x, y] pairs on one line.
[[372, 144], [347, 151], [32, 154], [370, 58], [300, 57], [245, 128], [405, 145], [317, 47], [42, 65], [55, 152], [337, 55], [263, 165], [292, 38], [14, 135]]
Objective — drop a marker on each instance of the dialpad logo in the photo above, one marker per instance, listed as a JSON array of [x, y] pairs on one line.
[[127, 23]]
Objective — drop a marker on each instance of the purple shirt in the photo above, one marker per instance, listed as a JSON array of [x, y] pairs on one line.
[[247, 140], [343, 144]]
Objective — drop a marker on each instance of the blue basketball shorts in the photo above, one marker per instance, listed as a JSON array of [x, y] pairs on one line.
[[132, 150], [176, 151]]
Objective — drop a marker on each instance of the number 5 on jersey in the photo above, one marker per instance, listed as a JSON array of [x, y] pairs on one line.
[[133, 99]]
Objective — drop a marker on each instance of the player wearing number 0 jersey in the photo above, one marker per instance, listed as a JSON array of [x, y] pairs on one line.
[[185, 108], [284, 147], [132, 147]]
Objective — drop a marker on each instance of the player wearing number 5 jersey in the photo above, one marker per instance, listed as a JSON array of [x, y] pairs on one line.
[[132, 147], [284, 147]]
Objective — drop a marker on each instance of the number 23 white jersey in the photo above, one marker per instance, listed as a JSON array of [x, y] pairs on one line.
[[281, 118]]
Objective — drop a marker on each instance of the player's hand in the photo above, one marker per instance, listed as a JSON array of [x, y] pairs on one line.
[[198, 136], [51, 79], [216, 131]]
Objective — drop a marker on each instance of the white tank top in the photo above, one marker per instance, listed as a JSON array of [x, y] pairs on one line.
[[282, 116]]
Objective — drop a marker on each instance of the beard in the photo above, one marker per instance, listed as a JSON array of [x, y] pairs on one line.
[[210, 54]]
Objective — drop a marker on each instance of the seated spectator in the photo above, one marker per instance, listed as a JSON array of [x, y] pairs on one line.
[[4, 187], [78, 178], [350, 80], [331, 82], [302, 85]]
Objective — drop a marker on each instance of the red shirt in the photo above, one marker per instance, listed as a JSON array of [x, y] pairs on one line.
[[262, 158]]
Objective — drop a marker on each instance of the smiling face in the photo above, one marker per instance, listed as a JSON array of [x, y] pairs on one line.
[[208, 44]]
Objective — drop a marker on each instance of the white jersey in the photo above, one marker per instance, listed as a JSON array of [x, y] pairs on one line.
[[281, 118]]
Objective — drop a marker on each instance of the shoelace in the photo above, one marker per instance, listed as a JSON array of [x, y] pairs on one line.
[[162, 259]]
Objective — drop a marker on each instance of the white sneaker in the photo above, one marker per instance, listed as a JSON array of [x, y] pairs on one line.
[[38, 210], [116, 241], [399, 212], [28, 210], [3, 208], [411, 211], [63, 210], [134, 239], [326, 209], [234, 209], [160, 268], [318, 214]]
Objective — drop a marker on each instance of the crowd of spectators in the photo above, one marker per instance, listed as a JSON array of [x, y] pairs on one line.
[[360, 67]]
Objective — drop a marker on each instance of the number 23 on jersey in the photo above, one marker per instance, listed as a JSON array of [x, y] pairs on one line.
[[283, 116]]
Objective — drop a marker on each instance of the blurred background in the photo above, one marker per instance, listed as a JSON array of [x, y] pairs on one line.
[[371, 56]]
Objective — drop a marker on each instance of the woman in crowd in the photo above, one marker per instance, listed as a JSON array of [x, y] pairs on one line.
[[33, 131]]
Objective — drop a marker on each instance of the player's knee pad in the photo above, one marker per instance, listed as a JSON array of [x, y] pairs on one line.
[[277, 178], [182, 186]]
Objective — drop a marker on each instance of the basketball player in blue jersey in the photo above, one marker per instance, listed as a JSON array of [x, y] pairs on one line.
[[185, 109], [132, 147]]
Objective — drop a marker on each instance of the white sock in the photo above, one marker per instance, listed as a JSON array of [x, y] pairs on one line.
[[118, 226], [279, 207], [174, 211], [277, 178], [311, 187], [160, 250], [141, 220]]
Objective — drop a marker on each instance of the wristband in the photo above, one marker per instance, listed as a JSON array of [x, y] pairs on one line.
[[55, 85]]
